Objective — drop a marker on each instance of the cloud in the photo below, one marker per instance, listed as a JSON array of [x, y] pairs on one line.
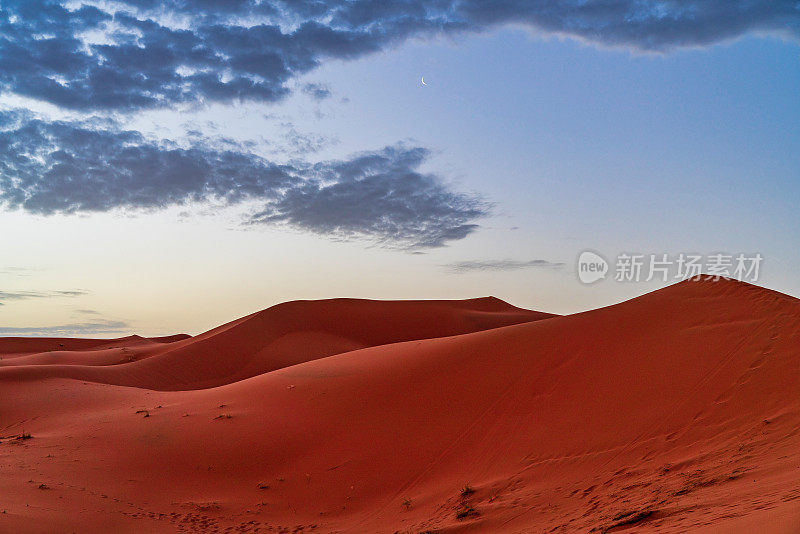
[[18, 271], [298, 143], [68, 330], [649, 25], [76, 167], [25, 295], [69, 167], [317, 91], [500, 265], [73, 293], [381, 195], [128, 54]]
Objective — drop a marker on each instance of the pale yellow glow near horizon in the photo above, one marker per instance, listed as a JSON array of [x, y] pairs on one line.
[[162, 275]]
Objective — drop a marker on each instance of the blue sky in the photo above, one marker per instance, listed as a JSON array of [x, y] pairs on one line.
[[540, 134]]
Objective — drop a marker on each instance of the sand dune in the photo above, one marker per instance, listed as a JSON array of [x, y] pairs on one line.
[[281, 336], [674, 412]]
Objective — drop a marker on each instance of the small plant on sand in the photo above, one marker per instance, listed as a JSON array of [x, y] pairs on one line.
[[467, 490], [465, 510], [407, 503], [24, 436]]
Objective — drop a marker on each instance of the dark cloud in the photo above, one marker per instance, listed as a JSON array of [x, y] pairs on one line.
[[500, 265], [656, 25], [381, 195], [66, 167], [100, 327], [132, 54]]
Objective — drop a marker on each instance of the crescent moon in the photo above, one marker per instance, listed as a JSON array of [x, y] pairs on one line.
[[423, 80]]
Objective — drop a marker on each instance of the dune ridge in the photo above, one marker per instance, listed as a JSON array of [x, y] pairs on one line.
[[280, 336], [673, 412]]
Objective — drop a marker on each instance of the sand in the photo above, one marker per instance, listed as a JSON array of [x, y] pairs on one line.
[[678, 411]]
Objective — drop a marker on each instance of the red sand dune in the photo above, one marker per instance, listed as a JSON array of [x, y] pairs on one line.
[[281, 336], [678, 411]]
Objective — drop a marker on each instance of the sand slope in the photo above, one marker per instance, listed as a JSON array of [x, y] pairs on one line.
[[678, 411]]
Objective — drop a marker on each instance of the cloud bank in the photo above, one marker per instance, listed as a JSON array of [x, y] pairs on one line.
[[127, 54], [25, 295], [68, 330], [77, 167], [500, 265]]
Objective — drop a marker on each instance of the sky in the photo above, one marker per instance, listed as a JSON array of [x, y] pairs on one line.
[[170, 166]]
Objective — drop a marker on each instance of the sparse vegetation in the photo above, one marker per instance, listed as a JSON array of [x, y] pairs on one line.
[[465, 510], [23, 436], [628, 518], [407, 503]]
